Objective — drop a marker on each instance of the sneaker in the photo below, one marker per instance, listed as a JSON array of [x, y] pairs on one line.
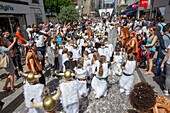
[[166, 93], [122, 90], [127, 93]]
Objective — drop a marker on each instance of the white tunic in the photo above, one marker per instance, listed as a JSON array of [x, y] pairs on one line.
[[105, 52], [36, 92], [70, 96], [76, 54], [110, 47], [87, 65], [81, 74], [117, 66], [99, 83]]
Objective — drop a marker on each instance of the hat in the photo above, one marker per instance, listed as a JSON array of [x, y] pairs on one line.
[[49, 103], [68, 74], [31, 77]]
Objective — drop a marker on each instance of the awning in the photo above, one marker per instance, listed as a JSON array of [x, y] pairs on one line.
[[127, 11]]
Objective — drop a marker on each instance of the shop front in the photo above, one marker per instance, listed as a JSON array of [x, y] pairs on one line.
[[13, 15]]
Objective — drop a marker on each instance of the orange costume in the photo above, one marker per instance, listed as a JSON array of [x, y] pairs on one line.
[[37, 66], [21, 40], [124, 36], [89, 32]]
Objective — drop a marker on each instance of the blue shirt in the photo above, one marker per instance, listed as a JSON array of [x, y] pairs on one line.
[[59, 40]]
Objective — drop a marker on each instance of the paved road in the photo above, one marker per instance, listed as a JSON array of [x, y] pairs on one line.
[[112, 103]]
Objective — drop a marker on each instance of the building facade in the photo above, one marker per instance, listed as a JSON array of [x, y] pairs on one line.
[[20, 13], [162, 8]]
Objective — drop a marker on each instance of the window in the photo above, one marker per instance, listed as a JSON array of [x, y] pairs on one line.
[[35, 1]]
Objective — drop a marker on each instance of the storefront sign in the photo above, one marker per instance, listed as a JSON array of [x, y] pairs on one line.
[[6, 7], [144, 3]]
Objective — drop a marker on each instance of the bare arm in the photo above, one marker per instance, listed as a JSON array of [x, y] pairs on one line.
[[166, 56], [11, 45]]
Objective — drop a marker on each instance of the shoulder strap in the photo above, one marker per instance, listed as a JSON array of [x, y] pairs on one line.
[[167, 36]]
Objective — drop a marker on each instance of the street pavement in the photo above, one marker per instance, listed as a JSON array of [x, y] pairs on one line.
[[114, 102]]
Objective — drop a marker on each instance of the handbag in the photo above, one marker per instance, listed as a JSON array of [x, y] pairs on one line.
[[4, 61]]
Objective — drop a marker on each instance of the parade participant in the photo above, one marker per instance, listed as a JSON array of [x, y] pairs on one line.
[[124, 36], [33, 64], [70, 63], [64, 58], [81, 75], [33, 89], [132, 45], [51, 51], [118, 61], [103, 50], [110, 47], [70, 93], [95, 62], [60, 52], [76, 52], [49, 103], [127, 78], [99, 83], [144, 99]]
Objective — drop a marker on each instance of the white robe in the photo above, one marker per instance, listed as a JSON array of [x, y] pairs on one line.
[[81, 74], [105, 52], [111, 49], [117, 66], [126, 82], [99, 83], [70, 96], [36, 92], [76, 54], [64, 58]]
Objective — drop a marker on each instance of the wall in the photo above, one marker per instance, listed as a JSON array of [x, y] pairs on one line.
[[163, 3]]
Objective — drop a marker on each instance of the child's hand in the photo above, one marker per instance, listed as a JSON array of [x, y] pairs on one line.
[[113, 62]]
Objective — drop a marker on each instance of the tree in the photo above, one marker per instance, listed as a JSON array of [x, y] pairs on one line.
[[68, 13], [52, 4]]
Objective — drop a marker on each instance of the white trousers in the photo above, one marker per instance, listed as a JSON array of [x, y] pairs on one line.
[[126, 82], [73, 108]]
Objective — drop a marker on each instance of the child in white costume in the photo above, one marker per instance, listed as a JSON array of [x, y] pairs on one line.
[[81, 75], [127, 78], [76, 52], [118, 59], [99, 83], [104, 51], [70, 94], [33, 90], [64, 58]]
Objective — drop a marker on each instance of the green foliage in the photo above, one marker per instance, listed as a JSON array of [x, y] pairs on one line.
[[52, 4], [68, 13]]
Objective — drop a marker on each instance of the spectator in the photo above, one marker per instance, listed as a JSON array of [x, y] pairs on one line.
[[164, 43], [166, 62], [10, 71], [21, 39], [150, 45], [14, 53]]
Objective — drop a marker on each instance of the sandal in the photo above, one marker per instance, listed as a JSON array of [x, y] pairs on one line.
[[148, 73]]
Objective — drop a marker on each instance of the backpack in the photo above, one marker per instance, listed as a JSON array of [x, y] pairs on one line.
[[161, 41], [4, 61]]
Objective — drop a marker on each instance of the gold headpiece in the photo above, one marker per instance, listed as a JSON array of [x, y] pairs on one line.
[[49, 103], [68, 74], [31, 77]]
